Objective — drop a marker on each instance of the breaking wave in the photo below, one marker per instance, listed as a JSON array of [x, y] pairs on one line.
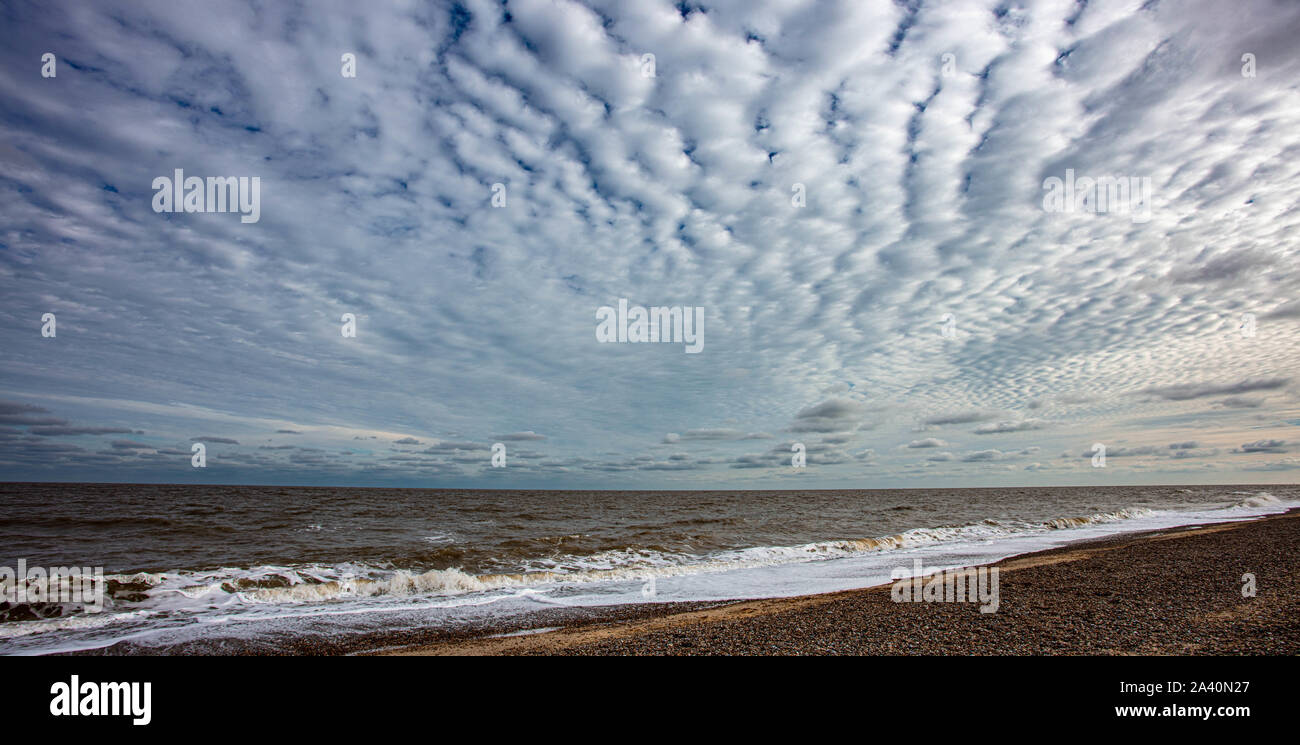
[[317, 583], [1262, 499]]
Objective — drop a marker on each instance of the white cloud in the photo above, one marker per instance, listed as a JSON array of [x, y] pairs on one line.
[[923, 198]]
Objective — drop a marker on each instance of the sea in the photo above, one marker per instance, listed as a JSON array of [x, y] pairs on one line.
[[256, 564]]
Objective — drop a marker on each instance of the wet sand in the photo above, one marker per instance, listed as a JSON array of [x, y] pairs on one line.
[[1168, 592]]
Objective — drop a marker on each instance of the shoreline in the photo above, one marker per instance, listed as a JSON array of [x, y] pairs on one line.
[[1118, 591], [1168, 591]]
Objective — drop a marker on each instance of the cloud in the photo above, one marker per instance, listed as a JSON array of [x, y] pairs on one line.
[[1195, 453], [832, 415], [719, 434], [1222, 268], [519, 436], [1129, 452], [960, 417], [1067, 399], [929, 442], [1188, 391], [1023, 425], [983, 455], [1286, 464], [1239, 402], [13, 412], [70, 431], [756, 461], [1285, 310], [1262, 446], [923, 197], [712, 434], [452, 445]]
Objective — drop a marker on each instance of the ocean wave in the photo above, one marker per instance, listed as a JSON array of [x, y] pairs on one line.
[[1127, 513], [1260, 499], [168, 593]]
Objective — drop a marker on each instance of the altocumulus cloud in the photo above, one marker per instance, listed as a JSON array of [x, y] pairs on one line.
[[819, 178]]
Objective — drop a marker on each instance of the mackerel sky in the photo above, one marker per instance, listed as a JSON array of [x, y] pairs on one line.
[[829, 181]]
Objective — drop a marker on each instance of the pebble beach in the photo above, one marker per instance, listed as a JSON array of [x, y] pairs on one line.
[[1168, 592]]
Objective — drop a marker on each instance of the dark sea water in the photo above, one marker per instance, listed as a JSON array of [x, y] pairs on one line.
[[184, 560]]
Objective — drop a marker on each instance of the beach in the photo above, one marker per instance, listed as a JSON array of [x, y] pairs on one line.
[[1168, 592]]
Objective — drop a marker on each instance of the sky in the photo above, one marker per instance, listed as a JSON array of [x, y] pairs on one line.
[[861, 201]]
